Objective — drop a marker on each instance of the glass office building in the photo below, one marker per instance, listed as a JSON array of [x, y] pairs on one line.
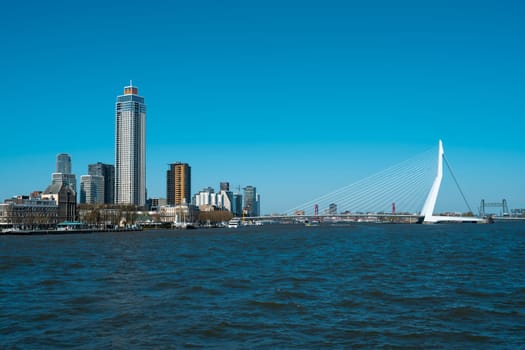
[[92, 189], [108, 172], [63, 163]]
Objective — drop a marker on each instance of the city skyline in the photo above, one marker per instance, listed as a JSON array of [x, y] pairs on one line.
[[352, 89]]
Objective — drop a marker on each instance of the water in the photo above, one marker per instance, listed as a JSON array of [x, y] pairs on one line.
[[361, 286]]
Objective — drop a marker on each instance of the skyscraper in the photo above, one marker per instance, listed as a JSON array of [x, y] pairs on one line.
[[237, 204], [178, 183], [250, 200], [92, 189], [63, 173], [108, 172], [63, 163], [130, 148]]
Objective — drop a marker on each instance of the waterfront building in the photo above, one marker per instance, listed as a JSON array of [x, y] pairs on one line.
[[225, 200], [130, 148], [237, 204], [108, 172], [518, 212], [250, 201], [225, 186], [66, 200], [206, 197], [63, 164], [208, 200], [177, 214], [28, 212], [178, 183], [92, 189]]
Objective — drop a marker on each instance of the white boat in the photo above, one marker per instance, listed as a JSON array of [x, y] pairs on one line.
[[234, 223]]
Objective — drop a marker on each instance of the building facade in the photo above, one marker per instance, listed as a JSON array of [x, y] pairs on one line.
[[250, 201], [63, 163], [225, 200], [64, 179], [63, 175], [178, 214], [206, 197], [27, 212], [154, 204], [92, 189], [66, 200], [130, 148], [237, 204], [178, 184], [108, 172]]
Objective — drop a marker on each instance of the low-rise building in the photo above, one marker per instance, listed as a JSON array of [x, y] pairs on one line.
[[28, 213], [182, 213]]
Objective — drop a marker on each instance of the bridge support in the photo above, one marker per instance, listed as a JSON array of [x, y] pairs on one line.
[[427, 213]]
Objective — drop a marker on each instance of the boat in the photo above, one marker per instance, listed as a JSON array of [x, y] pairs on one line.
[[234, 223], [314, 222]]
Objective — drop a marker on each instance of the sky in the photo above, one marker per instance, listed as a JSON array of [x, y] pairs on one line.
[[297, 98]]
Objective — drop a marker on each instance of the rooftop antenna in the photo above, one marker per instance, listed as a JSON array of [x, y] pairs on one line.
[[131, 83]]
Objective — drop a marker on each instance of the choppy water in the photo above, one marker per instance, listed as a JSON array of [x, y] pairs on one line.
[[363, 286]]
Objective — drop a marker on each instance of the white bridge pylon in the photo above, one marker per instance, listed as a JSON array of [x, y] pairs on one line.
[[430, 203]]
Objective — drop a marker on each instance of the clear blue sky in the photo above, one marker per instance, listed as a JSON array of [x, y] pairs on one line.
[[297, 98]]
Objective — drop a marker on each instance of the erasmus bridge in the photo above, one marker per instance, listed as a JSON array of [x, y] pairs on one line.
[[406, 192]]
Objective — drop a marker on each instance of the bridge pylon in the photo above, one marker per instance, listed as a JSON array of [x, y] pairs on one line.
[[427, 213]]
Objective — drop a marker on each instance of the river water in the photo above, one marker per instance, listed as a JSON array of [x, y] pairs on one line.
[[274, 286]]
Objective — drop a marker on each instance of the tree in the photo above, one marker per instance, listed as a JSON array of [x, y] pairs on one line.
[[214, 217]]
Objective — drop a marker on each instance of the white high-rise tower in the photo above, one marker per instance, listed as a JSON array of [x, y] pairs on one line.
[[130, 148]]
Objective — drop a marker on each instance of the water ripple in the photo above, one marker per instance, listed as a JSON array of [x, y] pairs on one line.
[[360, 286]]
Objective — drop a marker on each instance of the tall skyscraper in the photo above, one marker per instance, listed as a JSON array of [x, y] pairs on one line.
[[92, 189], [63, 163], [108, 172], [178, 184], [250, 200], [130, 148]]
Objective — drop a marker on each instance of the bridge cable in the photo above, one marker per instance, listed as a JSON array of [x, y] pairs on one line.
[[400, 183], [457, 184]]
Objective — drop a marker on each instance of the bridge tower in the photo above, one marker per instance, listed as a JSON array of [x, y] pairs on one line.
[[428, 208]]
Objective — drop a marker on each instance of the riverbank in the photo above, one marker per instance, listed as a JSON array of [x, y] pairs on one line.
[[64, 232]]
